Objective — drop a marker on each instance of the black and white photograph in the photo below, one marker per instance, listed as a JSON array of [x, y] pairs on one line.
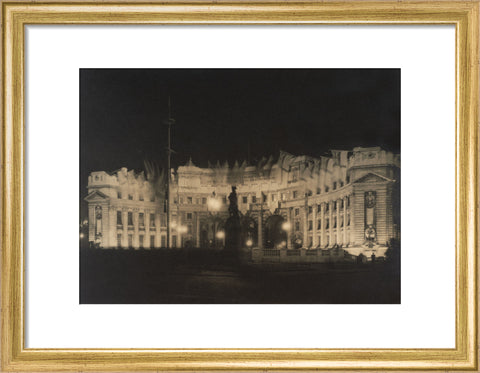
[[240, 186]]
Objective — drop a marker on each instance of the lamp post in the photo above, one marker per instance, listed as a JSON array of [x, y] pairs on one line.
[[213, 205]]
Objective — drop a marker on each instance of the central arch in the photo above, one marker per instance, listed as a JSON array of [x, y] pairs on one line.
[[275, 235]]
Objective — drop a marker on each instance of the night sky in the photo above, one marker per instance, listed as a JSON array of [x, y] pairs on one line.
[[229, 114]]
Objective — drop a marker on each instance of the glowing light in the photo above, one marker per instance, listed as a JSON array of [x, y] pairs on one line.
[[286, 226], [214, 204], [82, 235], [283, 244], [220, 235], [249, 243]]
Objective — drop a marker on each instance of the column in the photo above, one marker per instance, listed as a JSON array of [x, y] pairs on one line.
[[125, 229], [322, 230], [158, 229], [305, 226], [314, 224], [135, 230], [197, 229], [112, 226], [344, 221], [260, 230], [330, 222], [290, 227], [338, 221]]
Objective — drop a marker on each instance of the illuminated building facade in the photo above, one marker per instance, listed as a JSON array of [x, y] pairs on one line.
[[350, 200]]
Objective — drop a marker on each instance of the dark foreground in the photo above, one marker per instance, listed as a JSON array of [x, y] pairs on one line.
[[207, 276]]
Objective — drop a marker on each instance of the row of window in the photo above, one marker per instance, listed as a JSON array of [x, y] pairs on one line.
[[142, 243], [342, 204], [328, 242], [203, 200], [130, 197], [141, 219], [327, 223]]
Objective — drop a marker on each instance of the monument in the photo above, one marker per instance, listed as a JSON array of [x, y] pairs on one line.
[[233, 228]]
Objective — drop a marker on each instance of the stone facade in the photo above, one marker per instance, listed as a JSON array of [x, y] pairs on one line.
[[350, 199]]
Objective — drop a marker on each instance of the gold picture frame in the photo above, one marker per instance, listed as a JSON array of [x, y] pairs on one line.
[[463, 14]]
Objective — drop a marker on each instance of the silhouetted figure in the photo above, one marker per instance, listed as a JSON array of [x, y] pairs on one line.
[[373, 257], [233, 229], [233, 208]]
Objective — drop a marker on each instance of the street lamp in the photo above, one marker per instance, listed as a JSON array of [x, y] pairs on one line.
[[286, 226], [213, 206]]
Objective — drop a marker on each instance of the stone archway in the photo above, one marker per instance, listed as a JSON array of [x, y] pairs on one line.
[[275, 235]]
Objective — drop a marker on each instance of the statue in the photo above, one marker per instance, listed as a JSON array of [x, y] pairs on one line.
[[232, 226], [233, 208]]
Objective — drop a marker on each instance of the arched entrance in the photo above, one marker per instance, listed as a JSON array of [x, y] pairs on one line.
[[275, 235]]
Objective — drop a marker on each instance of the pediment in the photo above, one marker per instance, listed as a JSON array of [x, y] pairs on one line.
[[96, 196], [372, 177]]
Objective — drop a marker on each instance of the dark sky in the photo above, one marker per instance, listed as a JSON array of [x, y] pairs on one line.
[[222, 113]]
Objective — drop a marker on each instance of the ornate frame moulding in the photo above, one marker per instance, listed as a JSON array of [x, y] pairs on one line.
[[464, 15]]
